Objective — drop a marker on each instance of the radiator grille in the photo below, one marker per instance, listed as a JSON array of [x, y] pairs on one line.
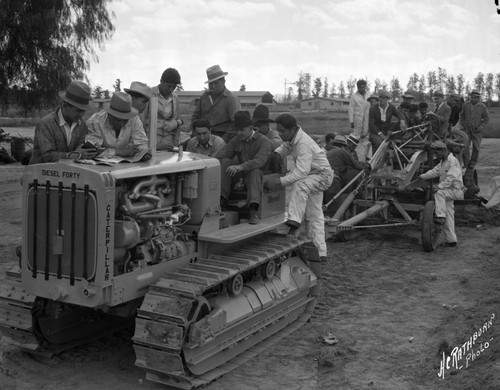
[[62, 223]]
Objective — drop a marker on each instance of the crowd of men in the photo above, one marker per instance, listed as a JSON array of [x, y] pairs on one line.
[[247, 146]]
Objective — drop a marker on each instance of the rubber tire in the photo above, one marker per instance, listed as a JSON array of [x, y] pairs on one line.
[[344, 235], [431, 231], [235, 285]]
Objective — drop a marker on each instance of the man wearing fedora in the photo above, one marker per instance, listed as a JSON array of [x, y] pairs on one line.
[[141, 93], [204, 142], [119, 129], [251, 150], [311, 176], [260, 119], [61, 133], [473, 117], [218, 104]]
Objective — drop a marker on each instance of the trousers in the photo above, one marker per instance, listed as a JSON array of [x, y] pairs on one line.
[[306, 201], [445, 208]]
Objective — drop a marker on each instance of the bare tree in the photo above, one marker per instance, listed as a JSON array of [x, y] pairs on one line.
[[117, 85], [317, 87], [451, 86], [325, 88], [460, 84], [488, 87], [395, 88], [479, 83], [341, 90], [333, 90], [351, 84]]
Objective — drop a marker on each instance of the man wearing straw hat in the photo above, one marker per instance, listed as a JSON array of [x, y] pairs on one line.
[[119, 129], [61, 133], [141, 93], [218, 105]]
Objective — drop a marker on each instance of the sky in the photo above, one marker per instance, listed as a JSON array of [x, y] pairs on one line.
[[263, 44]]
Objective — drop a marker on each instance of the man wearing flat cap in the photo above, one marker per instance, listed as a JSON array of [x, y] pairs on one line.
[[450, 188], [251, 150], [119, 129], [473, 118], [61, 133], [380, 117], [443, 112], [260, 119], [218, 105]]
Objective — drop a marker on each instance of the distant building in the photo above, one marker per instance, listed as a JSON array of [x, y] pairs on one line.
[[324, 104], [248, 99]]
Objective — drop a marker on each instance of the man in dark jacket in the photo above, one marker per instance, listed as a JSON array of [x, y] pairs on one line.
[[380, 116], [61, 133], [246, 155], [218, 105]]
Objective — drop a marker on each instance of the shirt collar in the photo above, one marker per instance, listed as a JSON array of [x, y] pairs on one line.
[[62, 121], [209, 143], [252, 137]]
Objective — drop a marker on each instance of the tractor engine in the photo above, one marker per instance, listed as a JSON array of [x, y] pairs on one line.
[[148, 221]]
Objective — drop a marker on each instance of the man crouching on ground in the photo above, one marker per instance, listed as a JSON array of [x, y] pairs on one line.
[[311, 176], [450, 188]]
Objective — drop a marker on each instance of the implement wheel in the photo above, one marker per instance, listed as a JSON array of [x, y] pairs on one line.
[[431, 231]]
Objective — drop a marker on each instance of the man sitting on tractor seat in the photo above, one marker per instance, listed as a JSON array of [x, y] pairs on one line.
[[246, 155]]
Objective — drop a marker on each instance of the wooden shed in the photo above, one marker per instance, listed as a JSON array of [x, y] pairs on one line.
[[324, 104]]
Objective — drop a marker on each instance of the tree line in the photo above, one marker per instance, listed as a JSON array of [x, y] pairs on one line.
[[421, 86]]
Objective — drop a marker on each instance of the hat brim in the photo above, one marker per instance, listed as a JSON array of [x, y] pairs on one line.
[[128, 90], [352, 141], [87, 107], [224, 74], [122, 115], [256, 122]]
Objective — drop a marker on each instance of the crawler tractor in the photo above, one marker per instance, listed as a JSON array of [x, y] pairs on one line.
[[147, 245]]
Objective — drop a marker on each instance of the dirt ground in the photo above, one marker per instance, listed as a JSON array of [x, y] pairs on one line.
[[394, 309]]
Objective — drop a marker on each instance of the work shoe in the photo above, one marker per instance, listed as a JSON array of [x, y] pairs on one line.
[[451, 244], [440, 220], [252, 215], [293, 232], [224, 204]]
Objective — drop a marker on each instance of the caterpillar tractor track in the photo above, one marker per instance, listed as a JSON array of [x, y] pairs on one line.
[[146, 245]]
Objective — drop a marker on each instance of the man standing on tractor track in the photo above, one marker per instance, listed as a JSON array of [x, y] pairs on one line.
[[450, 188], [311, 176], [61, 133]]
